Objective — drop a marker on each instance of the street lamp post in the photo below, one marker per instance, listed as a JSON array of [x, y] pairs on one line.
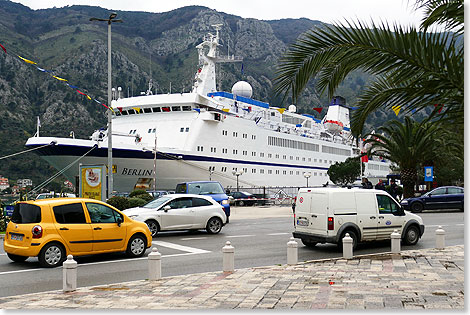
[[307, 175], [237, 173], [111, 18]]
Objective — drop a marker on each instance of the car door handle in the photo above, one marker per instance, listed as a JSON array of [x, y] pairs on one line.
[[381, 217], [314, 216], [97, 228], [372, 217], [64, 229]]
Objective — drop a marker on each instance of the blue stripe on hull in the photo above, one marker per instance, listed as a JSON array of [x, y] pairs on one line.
[[70, 150]]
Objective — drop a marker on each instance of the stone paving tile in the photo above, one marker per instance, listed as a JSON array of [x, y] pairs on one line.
[[416, 279]]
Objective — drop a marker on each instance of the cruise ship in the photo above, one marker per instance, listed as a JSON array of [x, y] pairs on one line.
[[164, 139]]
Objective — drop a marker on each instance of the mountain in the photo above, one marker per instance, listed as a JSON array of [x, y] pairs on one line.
[[157, 46]]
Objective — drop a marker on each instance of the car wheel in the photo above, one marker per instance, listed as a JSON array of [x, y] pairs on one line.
[[416, 207], [411, 236], [241, 203], [136, 246], [214, 225], [308, 243], [352, 235], [153, 227], [51, 255], [17, 258]]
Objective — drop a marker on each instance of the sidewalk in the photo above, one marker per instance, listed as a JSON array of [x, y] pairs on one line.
[[415, 279]]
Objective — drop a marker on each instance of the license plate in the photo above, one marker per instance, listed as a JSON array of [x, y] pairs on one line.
[[16, 237], [302, 222]]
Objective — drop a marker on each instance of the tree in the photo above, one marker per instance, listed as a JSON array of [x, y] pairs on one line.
[[345, 172], [406, 144], [413, 68]]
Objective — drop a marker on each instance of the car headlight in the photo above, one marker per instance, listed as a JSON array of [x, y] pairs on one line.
[[404, 202], [225, 202]]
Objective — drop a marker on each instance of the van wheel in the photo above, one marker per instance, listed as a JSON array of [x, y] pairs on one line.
[[308, 243], [352, 234], [411, 236], [136, 246], [17, 258], [51, 255]]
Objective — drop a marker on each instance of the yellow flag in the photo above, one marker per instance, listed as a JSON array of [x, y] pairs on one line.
[[281, 110], [26, 60], [226, 110], [396, 109], [60, 79], [137, 109]]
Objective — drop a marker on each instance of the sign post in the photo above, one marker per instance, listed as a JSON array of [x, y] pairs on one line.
[[428, 175], [92, 181]]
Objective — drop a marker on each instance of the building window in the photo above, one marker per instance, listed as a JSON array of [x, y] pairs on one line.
[[253, 137], [245, 170], [224, 132], [261, 171], [187, 129], [182, 129], [284, 172], [235, 134], [253, 170], [270, 155], [235, 151], [224, 169], [153, 130], [270, 171], [277, 172], [253, 153], [245, 152], [261, 154], [245, 136]]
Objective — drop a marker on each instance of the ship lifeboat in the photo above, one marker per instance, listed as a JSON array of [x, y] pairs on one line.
[[334, 126]]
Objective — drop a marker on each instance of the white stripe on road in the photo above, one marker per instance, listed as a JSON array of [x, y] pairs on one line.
[[192, 238], [274, 234], [235, 236], [181, 247], [444, 225]]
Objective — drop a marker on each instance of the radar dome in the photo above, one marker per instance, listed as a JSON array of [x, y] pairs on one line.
[[242, 88]]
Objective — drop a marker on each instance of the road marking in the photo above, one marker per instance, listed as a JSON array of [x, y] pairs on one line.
[[274, 234], [192, 238], [444, 225], [180, 247], [235, 236], [19, 271]]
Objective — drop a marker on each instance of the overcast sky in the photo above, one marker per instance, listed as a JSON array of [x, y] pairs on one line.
[[400, 11]]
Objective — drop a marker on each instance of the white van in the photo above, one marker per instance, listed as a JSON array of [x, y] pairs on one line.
[[325, 215]]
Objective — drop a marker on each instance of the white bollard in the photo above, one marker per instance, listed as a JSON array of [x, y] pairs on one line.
[[69, 273], [228, 257], [292, 253], [155, 264], [440, 238], [396, 239], [347, 247]]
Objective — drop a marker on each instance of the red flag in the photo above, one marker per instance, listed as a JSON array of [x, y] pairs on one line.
[[3, 48], [120, 109], [440, 108], [364, 158], [318, 109]]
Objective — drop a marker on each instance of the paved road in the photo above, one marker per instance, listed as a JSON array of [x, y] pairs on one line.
[[259, 236]]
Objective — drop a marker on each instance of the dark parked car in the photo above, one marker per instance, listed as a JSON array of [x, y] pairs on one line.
[[446, 197], [242, 198]]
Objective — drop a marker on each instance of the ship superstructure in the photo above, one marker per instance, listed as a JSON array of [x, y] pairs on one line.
[[211, 134]]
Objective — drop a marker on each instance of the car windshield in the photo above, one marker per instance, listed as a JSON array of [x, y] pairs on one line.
[[157, 202], [205, 188]]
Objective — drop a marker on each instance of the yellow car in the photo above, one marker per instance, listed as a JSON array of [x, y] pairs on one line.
[[51, 229]]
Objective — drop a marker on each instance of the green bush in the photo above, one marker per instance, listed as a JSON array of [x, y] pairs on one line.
[[136, 202], [138, 192], [147, 197], [119, 202]]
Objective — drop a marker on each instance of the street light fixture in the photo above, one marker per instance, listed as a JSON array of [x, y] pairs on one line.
[[237, 173], [307, 175], [111, 19]]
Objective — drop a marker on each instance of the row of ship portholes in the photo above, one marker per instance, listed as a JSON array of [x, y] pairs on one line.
[[224, 169]]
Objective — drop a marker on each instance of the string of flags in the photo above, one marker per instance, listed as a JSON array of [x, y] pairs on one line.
[[51, 73]]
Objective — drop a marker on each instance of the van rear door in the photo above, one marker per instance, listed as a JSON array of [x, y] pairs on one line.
[[311, 212]]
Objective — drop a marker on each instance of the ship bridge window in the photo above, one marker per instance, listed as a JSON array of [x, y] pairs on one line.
[[337, 151], [147, 110], [166, 109], [124, 112], [156, 109], [176, 108], [186, 108]]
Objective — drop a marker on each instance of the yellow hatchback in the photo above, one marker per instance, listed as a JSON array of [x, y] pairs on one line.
[[51, 229]]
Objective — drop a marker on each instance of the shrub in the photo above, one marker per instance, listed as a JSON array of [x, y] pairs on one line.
[[147, 197], [119, 202], [137, 192], [136, 202]]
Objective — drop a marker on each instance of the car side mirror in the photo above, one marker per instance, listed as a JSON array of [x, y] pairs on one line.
[[166, 208], [119, 221]]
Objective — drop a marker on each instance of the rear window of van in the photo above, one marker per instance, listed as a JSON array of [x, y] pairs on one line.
[[26, 213]]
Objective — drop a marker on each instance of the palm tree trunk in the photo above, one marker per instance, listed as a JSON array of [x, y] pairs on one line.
[[408, 179]]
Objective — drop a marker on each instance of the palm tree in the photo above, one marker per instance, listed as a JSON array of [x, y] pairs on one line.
[[406, 144], [414, 69]]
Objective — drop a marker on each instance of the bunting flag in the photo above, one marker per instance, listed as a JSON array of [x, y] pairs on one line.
[[60, 79], [318, 109], [73, 86], [413, 110], [281, 110], [27, 61], [43, 70], [226, 110], [396, 109], [120, 109], [4, 49], [440, 108], [354, 107], [137, 109]]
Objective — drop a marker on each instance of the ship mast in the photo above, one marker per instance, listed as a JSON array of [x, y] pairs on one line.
[[205, 79]]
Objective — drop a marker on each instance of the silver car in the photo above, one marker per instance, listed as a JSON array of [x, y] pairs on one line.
[[180, 212]]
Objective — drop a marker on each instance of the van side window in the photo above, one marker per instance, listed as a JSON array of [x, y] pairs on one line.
[[69, 214], [101, 214], [387, 205]]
